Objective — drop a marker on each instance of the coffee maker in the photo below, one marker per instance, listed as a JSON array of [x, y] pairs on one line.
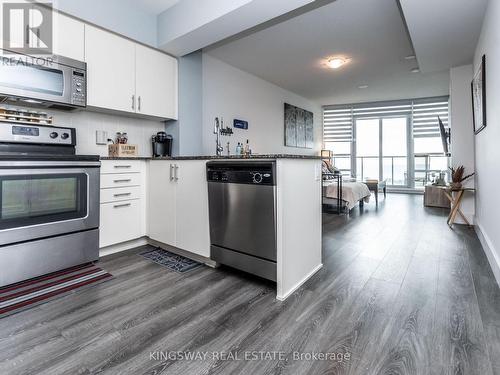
[[162, 144]]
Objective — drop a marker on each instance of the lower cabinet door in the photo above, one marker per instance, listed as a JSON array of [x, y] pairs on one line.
[[162, 201], [192, 229], [120, 222]]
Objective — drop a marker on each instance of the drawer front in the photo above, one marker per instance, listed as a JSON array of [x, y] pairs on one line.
[[120, 180], [121, 166], [120, 194], [120, 222]]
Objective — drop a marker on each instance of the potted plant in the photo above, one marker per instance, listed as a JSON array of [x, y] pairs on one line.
[[458, 176]]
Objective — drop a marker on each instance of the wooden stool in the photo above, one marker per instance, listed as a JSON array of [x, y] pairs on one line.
[[375, 186]]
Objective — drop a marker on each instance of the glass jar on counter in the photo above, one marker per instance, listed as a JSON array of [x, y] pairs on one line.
[[121, 138]]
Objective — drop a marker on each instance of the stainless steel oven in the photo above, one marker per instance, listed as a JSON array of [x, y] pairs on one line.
[[41, 199], [51, 81], [49, 204]]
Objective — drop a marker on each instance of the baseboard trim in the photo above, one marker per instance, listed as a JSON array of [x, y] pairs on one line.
[[209, 262], [123, 246], [284, 296], [489, 250]]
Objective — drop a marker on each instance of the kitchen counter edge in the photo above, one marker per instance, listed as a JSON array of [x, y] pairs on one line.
[[205, 157]]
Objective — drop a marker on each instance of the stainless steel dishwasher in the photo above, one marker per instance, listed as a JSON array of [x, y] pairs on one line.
[[242, 208]]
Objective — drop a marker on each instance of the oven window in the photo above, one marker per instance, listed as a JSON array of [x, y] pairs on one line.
[[32, 79], [37, 199]]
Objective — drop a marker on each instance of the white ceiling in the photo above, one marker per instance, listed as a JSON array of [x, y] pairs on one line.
[[444, 32], [370, 32], [152, 6]]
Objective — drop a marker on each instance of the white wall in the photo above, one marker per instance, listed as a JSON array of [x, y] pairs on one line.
[[488, 141], [462, 136], [124, 17], [86, 123], [187, 129], [232, 93]]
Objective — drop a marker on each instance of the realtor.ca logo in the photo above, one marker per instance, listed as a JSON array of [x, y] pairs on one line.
[[27, 28]]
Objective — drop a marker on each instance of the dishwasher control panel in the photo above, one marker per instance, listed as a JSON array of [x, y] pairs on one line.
[[254, 173]]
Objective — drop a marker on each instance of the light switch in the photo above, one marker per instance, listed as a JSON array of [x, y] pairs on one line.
[[101, 137]]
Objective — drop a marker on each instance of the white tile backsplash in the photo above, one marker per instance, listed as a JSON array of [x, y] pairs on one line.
[[86, 123]]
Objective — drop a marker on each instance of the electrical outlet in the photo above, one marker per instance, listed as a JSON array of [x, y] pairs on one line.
[[101, 137]]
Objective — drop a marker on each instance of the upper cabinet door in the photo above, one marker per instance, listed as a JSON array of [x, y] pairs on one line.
[[156, 83], [110, 70], [68, 37]]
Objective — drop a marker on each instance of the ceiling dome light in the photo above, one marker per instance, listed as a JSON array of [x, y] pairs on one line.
[[336, 62], [415, 70], [410, 57], [362, 86]]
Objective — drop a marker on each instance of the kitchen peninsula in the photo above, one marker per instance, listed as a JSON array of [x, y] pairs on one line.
[[175, 205]]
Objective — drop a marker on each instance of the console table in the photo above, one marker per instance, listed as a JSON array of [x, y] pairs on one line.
[[456, 201]]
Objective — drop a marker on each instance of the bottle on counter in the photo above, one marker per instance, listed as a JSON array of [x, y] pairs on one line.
[[238, 149], [247, 149]]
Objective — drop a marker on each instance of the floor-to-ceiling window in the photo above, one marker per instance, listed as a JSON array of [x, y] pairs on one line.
[[396, 141], [367, 148]]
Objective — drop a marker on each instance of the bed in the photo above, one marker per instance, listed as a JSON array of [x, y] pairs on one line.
[[349, 193]]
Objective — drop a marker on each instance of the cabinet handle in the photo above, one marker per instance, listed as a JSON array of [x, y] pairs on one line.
[[171, 172], [123, 166], [139, 103], [121, 205], [133, 101], [127, 180], [176, 170], [122, 195]]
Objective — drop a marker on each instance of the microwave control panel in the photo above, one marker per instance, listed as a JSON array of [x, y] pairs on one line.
[[79, 88]]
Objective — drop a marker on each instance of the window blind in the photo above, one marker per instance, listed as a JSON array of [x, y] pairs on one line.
[[338, 120], [425, 117], [337, 125]]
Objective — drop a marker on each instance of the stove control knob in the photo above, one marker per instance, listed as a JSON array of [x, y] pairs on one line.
[[64, 135], [257, 178], [53, 135]]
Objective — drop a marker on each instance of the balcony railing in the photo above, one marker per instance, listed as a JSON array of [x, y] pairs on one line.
[[394, 168]]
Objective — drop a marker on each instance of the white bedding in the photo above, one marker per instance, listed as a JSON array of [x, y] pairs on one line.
[[352, 192]]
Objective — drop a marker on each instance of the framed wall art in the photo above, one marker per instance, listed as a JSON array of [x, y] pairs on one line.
[[478, 87]]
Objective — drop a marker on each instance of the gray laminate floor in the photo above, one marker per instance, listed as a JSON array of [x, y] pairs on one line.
[[400, 293]]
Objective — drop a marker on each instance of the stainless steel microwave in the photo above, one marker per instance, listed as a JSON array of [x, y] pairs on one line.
[[47, 80]]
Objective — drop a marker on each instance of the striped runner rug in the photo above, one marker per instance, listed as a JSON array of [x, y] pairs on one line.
[[32, 292]]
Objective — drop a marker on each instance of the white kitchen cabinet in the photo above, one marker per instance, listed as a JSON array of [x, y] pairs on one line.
[[129, 77], [123, 201], [68, 37], [192, 229], [161, 210], [119, 222], [178, 205], [156, 83], [110, 70]]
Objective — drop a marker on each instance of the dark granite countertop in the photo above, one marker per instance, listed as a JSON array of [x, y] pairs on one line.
[[212, 157]]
